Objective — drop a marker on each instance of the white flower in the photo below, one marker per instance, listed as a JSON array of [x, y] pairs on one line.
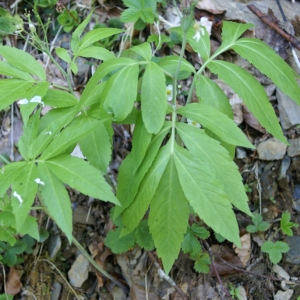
[[169, 92], [23, 101], [37, 99], [15, 194], [204, 22], [32, 27], [39, 181], [193, 123]]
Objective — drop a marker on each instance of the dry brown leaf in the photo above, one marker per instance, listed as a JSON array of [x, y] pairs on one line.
[[228, 255], [251, 120], [13, 283], [138, 292], [244, 252]]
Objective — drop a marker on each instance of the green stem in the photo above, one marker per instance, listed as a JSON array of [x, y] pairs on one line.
[[4, 159], [67, 77], [174, 84]]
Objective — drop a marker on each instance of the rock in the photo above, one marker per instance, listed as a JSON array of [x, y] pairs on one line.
[[280, 295], [285, 164], [281, 272], [289, 111], [296, 197], [270, 89], [81, 215], [238, 10], [54, 245], [293, 255], [55, 290], [271, 149], [79, 271], [83, 66], [294, 148], [118, 293], [240, 153]]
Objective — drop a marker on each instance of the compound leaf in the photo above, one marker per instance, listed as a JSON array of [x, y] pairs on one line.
[[49, 129], [96, 147], [96, 52], [137, 163], [57, 98], [209, 152], [144, 50], [202, 263], [252, 93], [143, 236], [24, 189], [68, 137], [12, 90], [169, 210], [206, 195], [231, 31], [199, 231], [23, 61], [119, 244], [215, 121], [96, 35], [30, 132], [275, 250], [9, 174], [169, 65], [190, 244], [134, 213], [210, 93], [119, 101], [153, 98], [56, 200], [139, 9], [285, 224], [81, 176], [269, 63], [9, 70], [63, 54], [203, 44]]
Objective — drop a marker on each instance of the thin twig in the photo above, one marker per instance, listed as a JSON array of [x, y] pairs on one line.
[[211, 255], [164, 276], [264, 18], [286, 25], [248, 272], [64, 279], [4, 278]]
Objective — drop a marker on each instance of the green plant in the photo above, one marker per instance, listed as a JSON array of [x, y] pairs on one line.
[[174, 168], [234, 292], [68, 19], [258, 224], [248, 189], [275, 250], [285, 224], [9, 255], [139, 12], [6, 297], [45, 3]]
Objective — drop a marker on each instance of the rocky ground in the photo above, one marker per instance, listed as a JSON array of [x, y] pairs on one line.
[[271, 174]]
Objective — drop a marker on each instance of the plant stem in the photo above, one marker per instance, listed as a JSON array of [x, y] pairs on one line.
[[67, 77]]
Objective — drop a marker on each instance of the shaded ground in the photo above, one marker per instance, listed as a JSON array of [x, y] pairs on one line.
[[271, 175]]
